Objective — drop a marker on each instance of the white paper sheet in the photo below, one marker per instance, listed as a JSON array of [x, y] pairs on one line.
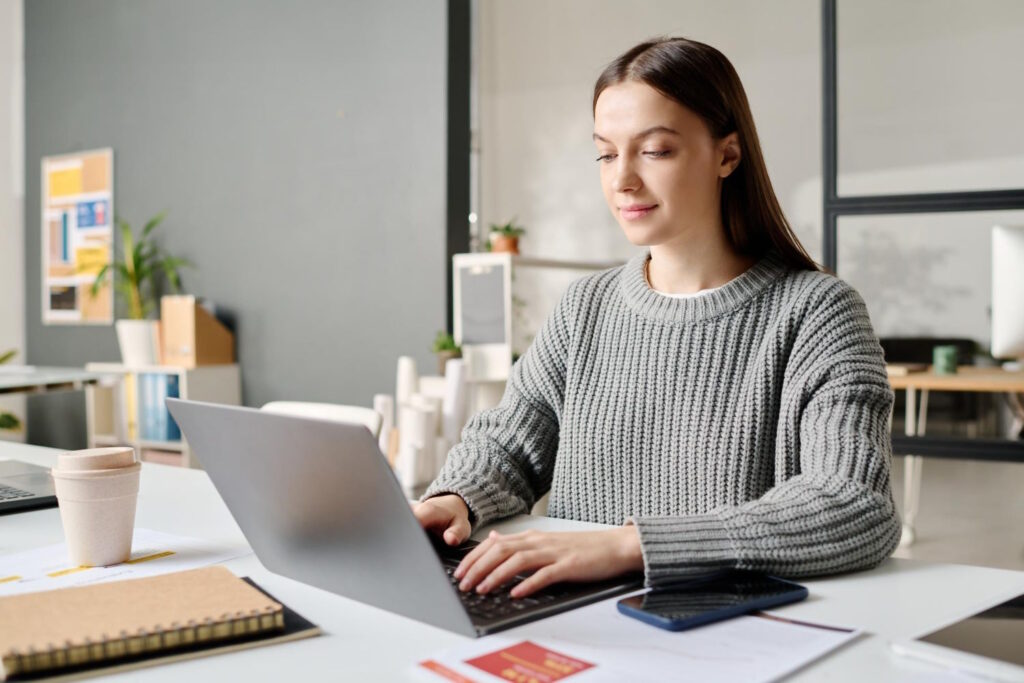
[[749, 648], [153, 552]]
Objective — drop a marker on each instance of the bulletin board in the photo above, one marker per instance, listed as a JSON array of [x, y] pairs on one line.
[[77, 230]]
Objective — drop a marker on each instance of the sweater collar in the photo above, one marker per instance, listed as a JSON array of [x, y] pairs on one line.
[[648, 303]]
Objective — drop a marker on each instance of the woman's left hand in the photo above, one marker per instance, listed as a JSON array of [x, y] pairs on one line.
[[552, 556]]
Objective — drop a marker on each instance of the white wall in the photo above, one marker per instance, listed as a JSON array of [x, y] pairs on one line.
[[927, 88], [12, 191], [538, 64]]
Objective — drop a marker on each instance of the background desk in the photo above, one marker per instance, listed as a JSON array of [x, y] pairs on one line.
[[900, 599], [967, 379], [41, 380]]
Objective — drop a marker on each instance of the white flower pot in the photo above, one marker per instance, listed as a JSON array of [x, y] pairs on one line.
[[139, 341]]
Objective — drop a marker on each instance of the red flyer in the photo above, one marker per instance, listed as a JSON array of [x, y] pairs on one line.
[[526, 662], [444, 672]]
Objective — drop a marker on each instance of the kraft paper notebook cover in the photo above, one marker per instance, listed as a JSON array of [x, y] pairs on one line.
[[85, 631]]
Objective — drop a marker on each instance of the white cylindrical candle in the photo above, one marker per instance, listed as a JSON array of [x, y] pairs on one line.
[[455, 400], [384, 404], [407, 380]]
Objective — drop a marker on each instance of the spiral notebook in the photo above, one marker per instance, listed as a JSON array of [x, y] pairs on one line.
[[84, 631]]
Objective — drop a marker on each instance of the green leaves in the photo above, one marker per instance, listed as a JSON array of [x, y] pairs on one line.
[[139, 269], [445, 342], [8, 421], [509, 229], [98, 282], [170, 266], [153, 222]]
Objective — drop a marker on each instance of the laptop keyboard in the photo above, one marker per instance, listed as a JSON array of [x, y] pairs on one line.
[[499, 602], [11, 493]]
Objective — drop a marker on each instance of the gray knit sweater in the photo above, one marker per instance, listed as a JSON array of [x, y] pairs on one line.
[[748, 427]]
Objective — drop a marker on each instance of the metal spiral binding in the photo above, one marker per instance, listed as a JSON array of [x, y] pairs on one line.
[[141, 643]]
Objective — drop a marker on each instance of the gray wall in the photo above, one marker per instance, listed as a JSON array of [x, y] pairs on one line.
[[300, 149]]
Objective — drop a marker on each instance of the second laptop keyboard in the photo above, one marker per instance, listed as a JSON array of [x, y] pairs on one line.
[[11, 493]]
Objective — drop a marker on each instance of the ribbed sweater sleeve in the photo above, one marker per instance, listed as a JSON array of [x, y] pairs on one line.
[[504, 460], [834, 511]]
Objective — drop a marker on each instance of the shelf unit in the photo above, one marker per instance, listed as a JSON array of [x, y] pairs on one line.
[[534, 262], [489, 362], [112, 407]]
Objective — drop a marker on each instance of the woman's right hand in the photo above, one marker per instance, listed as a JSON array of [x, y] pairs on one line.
[[446, 516]]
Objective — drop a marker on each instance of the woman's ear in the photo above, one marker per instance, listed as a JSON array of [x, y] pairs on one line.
[[729, 150]]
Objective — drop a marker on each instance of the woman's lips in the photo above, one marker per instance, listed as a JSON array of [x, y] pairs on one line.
[[636, 211]]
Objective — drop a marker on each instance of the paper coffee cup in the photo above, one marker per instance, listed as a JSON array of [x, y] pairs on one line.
[[97, 491]]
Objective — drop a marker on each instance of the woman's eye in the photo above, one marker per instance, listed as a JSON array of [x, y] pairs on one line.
[[605, 157], [658, 153]]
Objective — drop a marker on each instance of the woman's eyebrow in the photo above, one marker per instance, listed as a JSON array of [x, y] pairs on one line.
[[644, 133]]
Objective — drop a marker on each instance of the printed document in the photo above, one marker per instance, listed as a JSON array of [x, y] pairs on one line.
[[597, 643], [153, 553]]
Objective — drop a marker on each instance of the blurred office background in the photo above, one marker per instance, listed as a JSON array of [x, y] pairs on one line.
[[311, 157]]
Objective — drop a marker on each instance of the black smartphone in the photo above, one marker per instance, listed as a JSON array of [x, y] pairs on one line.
[[703, 601]]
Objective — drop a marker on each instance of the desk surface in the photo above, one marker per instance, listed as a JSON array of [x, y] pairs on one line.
[[967, 378], [43, 379], [900, 599]]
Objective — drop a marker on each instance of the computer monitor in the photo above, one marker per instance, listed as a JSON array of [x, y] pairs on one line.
[[1008, 292]]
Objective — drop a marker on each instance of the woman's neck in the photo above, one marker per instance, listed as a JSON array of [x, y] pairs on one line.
[[696, 265]]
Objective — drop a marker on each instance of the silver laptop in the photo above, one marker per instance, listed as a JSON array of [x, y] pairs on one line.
[[24, 486], [318, 503]]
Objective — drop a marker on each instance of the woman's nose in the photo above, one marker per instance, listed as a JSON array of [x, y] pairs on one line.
[[626, 178]]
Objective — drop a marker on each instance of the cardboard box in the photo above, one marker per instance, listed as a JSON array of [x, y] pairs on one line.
[[192, 336]]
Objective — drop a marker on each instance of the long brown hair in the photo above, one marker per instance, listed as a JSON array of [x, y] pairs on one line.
[[700, 78]]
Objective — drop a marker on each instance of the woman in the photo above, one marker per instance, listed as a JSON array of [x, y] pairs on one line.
[[720, 397]]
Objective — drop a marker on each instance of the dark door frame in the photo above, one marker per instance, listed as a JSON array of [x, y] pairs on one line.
[[457, 204]]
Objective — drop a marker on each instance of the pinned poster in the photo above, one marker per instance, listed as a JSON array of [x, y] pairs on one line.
[[77, 237]]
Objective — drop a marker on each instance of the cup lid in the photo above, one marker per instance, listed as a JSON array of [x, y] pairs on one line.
[[131, 470], [96, 459]]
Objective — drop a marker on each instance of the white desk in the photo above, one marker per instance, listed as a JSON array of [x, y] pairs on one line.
[[900, 599], [41, 380]]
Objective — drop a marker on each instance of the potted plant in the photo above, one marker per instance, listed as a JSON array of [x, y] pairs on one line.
[[446, 349], [505, 237], [140, 271], [8, 421]]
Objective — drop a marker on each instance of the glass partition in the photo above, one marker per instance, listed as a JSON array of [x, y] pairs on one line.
[[927, 280], [930, 96]]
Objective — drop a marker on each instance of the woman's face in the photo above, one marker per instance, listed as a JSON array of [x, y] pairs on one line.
[[660, 168]]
